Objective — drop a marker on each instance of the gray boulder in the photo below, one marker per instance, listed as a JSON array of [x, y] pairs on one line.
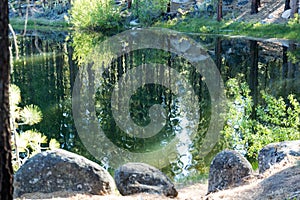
[[185, 5], [277, 153], [60, 170], [133, 178], [228, 168]]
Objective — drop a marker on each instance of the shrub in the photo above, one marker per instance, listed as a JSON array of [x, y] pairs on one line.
[[273, 120], [149, 10], [94, 14]]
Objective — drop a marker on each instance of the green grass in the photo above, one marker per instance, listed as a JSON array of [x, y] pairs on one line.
[[290, 30], [39, 23]]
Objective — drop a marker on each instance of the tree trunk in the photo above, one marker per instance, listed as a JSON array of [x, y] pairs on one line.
[[129, 3], [254, 6], [253, 78], [291, 73], [219, 11], [169, 6], [20, 8], [72, 66], [287, 5], [294, 7], [218, 52], [284, 91], [6, 171]]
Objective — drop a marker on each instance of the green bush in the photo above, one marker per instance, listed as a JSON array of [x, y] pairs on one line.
[[94, 14], [294, 21], [149, 10], [273, 120]]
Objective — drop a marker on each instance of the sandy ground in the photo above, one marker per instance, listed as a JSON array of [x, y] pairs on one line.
[[269, 12]]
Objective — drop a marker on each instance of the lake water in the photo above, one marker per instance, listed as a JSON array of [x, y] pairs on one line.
[[129, 111]]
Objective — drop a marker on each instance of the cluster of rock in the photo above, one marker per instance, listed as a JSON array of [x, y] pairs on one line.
[[35, 8], [60, 170], [229, 168]]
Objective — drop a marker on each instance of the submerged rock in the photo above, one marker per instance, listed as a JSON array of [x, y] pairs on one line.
[[228, 168], [277, 153], [60, 170], [133, 178]]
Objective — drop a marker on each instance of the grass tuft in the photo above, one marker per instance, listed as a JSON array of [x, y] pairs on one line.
[[203, 25]]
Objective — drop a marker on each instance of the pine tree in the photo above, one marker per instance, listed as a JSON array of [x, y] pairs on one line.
[[6, 171]]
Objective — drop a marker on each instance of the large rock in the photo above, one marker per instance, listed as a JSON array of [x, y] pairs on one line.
[[181, 4], [60, 170], [286, 14], [277, 153], [133, 178], [228, 168]]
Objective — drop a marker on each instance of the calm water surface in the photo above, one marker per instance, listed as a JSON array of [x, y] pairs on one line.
[[46, 72]]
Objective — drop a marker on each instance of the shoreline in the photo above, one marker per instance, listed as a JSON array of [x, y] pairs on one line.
[[214, 28]]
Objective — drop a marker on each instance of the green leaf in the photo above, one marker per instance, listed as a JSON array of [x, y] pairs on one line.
[[14, 95], [54, 144], [31, 115]]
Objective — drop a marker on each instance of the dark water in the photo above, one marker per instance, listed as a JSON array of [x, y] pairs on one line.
[[46, 72]]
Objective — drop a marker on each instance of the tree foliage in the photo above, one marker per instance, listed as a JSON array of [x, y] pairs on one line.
[[26, 143]]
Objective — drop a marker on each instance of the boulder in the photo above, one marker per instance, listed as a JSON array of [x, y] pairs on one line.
[[60, 170], [286, 14], [277, 153], [228, 168], [133, 178]]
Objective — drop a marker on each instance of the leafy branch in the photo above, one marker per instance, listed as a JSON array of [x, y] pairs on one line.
[[26, 143]]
